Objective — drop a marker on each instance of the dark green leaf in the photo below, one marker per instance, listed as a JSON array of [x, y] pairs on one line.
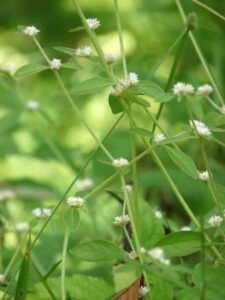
[[115, 104]]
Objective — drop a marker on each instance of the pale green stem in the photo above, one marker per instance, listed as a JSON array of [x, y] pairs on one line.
[[200, 55], [63, 264], [119, 27], [209, 9], [213, 103], [69, 98], [128, 238]]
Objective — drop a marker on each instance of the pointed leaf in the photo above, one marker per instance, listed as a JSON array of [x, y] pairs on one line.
[[92, 85], [115, 105], [66, 50], [29, 70], [142, 131]]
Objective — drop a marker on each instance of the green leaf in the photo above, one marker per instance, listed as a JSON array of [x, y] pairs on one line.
[[133, 98], [80, 28], [71, 65], [183, 161], [189, 294], [162, 290], [92, 85], [196, 108], [66, 50], [214, 119], [97, 251], [180, 243], [115, 105], [29, 70], [72, 219], [142, 131], [21, 28]]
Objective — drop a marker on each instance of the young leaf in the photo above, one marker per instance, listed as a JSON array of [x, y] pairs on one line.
[[92, 85], [72, 219], [29, 70], [98, 250], [77, 29], [142, 131], [183, 161], [180, 243], [115, 105], [66, 50]]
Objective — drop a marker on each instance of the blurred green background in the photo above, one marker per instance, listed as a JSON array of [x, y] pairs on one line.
[[41, 155]]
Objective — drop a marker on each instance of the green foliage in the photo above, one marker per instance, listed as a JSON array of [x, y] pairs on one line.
[[90, 86], [29, 70]]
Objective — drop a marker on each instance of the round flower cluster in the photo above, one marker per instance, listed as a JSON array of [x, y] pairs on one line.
[[32, 105], [185, 228], [159, 137], [204, 90], [181, 88], [110, 58], [120, 162], [200, 127], [93, 23], [22, 226], [143, 290], [157, 254], [41, 212], [125, 83], [158, 214], [75, 201], [133, 255], [55, 64], [215, 221], [31, 31], [204, 176], [84, 184], [121, 220], [84, 52]]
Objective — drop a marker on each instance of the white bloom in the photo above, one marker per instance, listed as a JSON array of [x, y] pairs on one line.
[[32, 105], [121, 220], [158, 214], [185, 228], [6, 194], [165, 261], [2, 278], [93, 23], [31, 30], [158, 255], [84, 52], [20, 227], [110, 58], [204, 90], [129, 188], [117, 90], [159, 137], [120, 162], [133, 78], [55, 63], [75, 201], [143, 250], [46, 212], [143, 290], [84, 184], [204, 176], [37, 213], [215, 221], [125, 83], [181, 88], [222, 109], [201, 128], [133, 255]]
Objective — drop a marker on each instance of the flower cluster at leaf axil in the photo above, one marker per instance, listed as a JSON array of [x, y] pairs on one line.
[[121, 220], [42, 212], [204, 176], [75, 201], [156, 254], [160, 137], [124, 84], [93, 23], [32, 105], [120, 162], [185, 89], [201, 128], [215, 221], [31, 31], [55, 64], [143, 290], [84, 52]]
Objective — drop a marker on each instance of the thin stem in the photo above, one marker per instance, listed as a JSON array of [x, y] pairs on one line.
[[63, 265], [213, 104], [200, 55], [119, 27], [128, 238], [209, 9]]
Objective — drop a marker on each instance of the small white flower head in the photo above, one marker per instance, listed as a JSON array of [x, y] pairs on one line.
[[142, 250], [75, 201], [201, 128], [46, 212], [185, 228], [22, 226], [32, 105], [129, 188], [93, 23], [181, 88], [204, 176], [121, 220], [215, 221], [204, 90], [31, 30], [117, 90], [156, 253], [165, 261], [133, 255], [84, 52], [110, 58], [133, 78], [120, 162], [143, 290], [159, 137], [84, 184], [55, 64], [222, 109], [37, 212], [6, 194], [2, 278], [158, 214], [10, 68]]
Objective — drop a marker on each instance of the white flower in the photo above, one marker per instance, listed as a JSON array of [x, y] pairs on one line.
[[117, 90], [32, 105], [185, 228], [158, 255], [143, 290], [222, 109], [143, 250], [133, 78], [129, 188], [133, 255], [204, 176], [120, 162], [84, 52], [201, 128], [159, 137], [181, 88], [93, 23], [37, 213], [125, 83], [6, 194], [110, 58], [204, 90], [75, 201], [46, 212], [55, 63], [215, 221], [165, 261], [2, 278], [31, 30], [121, 220], [158, 214], [84, 184], [20, 227]]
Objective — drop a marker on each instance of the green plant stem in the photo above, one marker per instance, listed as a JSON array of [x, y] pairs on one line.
[[63, 265], [128, 239], [209, 9], [119, 27], [199, 53], [74, 106]]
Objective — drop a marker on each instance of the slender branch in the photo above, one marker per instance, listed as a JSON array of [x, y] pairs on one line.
[[63, 265], [209, 9]]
